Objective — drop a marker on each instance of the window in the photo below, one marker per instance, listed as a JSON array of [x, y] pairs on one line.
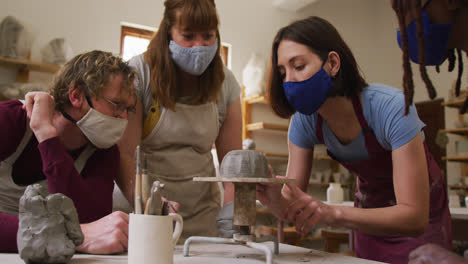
[[226, 54], [134, 40]]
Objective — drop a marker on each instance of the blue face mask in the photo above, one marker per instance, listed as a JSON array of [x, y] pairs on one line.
[[436, 37], [309, 95], [193, 60]]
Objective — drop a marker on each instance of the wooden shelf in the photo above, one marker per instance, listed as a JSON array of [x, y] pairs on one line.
[[459, 158], [454, 104], [285, 155], [255, 99], [458, 187], [269, 126], [322, 157], [275, 155], [30, 65], [462, 131]]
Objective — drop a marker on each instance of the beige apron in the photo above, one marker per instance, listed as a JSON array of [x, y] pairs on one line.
[[178, 149], [10, 192]]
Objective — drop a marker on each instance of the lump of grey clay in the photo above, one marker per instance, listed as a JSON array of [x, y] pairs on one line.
[[244, 164], [49, 229], [15, 41], [248, 143], [56, 51]]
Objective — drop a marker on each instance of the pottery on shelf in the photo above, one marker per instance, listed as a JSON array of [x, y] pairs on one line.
[[335, 193]]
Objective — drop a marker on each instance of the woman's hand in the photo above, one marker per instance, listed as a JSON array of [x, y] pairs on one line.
[[269, 195], [108, 235], [40, 109], [306, 211]]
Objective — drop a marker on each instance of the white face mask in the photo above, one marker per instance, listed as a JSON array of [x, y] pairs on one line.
[[102, 130], [193, 60]]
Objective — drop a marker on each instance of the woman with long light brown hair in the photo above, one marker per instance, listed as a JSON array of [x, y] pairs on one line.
[[188, 102]]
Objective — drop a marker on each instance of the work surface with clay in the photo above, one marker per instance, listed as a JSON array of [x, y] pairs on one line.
[[220, 253]]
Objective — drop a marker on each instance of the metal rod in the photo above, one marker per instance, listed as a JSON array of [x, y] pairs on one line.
[[200, 239], [264, 248]]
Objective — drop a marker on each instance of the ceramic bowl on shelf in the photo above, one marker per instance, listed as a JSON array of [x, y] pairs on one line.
[[461, 147]]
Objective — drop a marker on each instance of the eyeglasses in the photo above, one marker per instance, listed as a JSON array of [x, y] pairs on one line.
[[119, 109]]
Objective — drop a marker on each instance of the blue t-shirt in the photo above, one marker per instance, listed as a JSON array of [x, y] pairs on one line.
[[383, 108]]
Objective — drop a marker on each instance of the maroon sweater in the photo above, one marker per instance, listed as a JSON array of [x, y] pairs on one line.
[[91, 191]]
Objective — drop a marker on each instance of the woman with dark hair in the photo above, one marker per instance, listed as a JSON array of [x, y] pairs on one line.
[[188, 102], [400, 200]]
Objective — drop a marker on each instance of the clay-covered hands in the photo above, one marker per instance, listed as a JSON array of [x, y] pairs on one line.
[[289, 202], [108, 235], [270, 195], [430, 253], [305, 211], [40, 108]]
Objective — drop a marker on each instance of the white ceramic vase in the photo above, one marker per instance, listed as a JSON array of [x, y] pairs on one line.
[[335, 193]]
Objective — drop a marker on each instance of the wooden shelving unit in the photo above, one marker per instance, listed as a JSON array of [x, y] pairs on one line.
[[454, 103], [274, 154], [25, 66], [458, 158], [31, 65], [255, 99], [458, 187], [268, 126], [462, 131], [284, 155]]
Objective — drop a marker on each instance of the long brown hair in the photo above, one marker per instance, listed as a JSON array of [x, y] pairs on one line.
[[402, 8], [193, 15], [320, 37]]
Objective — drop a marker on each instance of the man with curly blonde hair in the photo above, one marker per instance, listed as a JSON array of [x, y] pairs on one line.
[[65, 139]]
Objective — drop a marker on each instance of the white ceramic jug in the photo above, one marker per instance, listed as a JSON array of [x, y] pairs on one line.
[[335, 193]]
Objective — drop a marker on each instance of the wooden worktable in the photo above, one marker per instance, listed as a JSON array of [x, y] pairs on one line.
[[220, 253]]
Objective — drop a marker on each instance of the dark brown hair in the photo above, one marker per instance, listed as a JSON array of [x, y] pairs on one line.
[[92, 72], [193, 15], [402, 8], [321, 38]]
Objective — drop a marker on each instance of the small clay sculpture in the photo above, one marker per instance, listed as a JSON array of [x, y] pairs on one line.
[[15, 40], [248, 144], [49, 229], [244, 164], [56, 51]]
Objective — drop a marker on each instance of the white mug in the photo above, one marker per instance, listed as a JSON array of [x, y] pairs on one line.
[[151, 238]]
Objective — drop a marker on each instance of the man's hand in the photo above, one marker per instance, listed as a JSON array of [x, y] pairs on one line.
[[430, 253], [108, 235], [40, 108]]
